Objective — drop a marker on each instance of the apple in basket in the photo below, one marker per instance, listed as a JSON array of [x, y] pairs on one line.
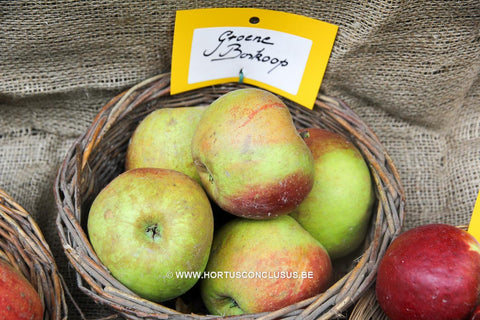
[[18, 298], [149, 223], [250, 157], [430, 272], [162, 140], [338, 209], [263, 265]]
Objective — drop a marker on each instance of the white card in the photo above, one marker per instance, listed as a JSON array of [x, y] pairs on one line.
[[278, 51], [268, 56]]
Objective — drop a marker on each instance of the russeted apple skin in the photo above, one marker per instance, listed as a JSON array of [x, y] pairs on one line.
[[162, 140], [271, 246], [337, 211], [149, 223], [18, 298], [430, 272], [250, 157]]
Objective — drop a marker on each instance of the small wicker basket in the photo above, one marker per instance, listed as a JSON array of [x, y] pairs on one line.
[[22, 244], [98, 156], [367, 307]]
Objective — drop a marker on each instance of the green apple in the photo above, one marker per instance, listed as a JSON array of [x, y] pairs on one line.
[[338, 209], [263, 265], [162, 140], [250, 157], [149, 223]]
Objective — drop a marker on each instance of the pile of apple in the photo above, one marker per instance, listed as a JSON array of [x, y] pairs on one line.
[[231, 198]]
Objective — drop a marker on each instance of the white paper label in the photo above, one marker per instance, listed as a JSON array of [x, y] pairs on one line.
[[268, 56]]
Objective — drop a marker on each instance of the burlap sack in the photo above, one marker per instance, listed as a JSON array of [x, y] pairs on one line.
[[408, 68]]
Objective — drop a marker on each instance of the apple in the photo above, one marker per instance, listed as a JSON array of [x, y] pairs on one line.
[[263, 265], [338, 209], [149, 223], [430, 272], [18, 298], [162, 140], [250, 157]]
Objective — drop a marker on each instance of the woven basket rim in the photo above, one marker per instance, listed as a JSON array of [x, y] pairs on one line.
[[27, 251], [82, 159]]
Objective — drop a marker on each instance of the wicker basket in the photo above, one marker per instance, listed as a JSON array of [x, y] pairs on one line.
[[367, 307], [23, 245], [98, 156]]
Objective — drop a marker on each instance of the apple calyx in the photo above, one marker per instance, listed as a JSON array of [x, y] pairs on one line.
[[231, 303], [153, 231]]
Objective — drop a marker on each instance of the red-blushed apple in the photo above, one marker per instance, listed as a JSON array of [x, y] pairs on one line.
[[18, 298], [148, 224], [162, 140], [430, 272], [263, 265], [250, 157], [338, 209]]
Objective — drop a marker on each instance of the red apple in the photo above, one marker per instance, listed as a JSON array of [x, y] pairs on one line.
[[18, 298], [430, 272]]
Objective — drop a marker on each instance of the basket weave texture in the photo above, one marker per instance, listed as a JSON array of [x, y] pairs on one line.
[[22, 244], [98, 155]]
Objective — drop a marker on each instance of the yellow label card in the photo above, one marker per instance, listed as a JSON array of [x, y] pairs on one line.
[[281, 52], [474, 226]]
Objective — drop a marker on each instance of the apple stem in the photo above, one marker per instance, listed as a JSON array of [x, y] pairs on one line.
[[203, 168], [305, 134]]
